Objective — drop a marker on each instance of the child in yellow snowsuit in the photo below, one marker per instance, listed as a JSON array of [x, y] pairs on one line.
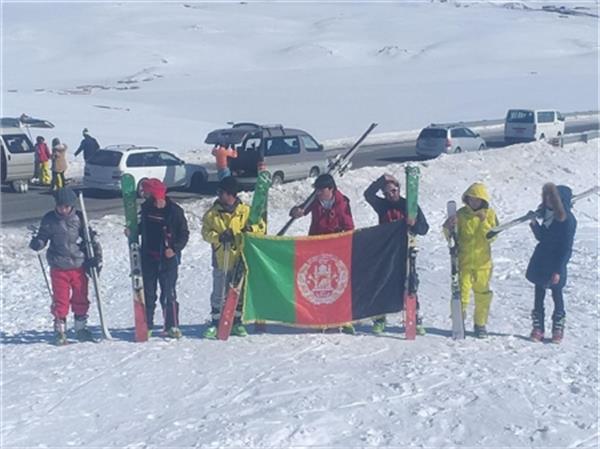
[[473, 222]]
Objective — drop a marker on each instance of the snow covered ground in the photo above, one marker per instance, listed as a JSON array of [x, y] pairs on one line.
[[297, 388]]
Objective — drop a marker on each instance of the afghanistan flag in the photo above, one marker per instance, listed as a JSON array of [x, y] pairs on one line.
[[325, 280]]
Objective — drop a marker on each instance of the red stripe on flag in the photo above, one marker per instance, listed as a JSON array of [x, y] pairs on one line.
[[323, 286]]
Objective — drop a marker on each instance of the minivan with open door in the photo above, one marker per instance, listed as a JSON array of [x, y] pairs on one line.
[[289, 154], [17, 159]]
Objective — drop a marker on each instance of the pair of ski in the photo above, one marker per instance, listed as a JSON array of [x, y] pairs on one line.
[[457, 316]]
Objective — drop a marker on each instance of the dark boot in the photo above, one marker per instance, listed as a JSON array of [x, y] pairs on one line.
[[537, 323], [558, 327], [81, 331]]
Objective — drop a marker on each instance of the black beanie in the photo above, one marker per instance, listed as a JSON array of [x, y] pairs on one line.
[[324, 181], [230, 185], [65, 197]]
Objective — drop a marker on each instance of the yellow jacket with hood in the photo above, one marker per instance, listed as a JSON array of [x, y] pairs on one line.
[[220, 218], [474, 249]]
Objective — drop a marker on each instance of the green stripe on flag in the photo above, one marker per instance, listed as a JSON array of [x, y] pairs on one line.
[[270, 293]]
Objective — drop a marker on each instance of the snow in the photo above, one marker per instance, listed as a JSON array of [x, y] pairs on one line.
[[291, 387], [165, 74]]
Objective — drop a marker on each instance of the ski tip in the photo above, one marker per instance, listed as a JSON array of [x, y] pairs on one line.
[[491, 234]]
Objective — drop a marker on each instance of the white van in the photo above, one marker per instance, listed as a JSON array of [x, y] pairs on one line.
[[526, 125], [17, 158]]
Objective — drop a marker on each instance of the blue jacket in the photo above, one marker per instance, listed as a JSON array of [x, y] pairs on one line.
[[553, 251]]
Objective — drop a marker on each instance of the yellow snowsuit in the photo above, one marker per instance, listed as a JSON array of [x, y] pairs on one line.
[[217, 220], [474, 253]]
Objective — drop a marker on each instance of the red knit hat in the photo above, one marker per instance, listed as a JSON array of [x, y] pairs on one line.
[[155, 188]]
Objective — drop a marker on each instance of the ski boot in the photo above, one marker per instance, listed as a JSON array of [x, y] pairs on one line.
[[81, 331], [378, 326], [558, 329], [239, 330], [537, 321], [348, 329], [210, 333], [60, 332], [174, 332], [480, 332], [420, 328]]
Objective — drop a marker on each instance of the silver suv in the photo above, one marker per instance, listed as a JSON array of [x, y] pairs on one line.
[[437, 139], [288, 153]]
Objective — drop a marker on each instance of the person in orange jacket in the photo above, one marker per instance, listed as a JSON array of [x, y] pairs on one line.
[[221, 153]]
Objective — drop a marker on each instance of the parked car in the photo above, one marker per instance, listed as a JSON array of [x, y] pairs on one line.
[[17, 159], [106, 167], [526, 125], [437, 139], [288, 153]]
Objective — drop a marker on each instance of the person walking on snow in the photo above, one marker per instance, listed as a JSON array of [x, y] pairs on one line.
[[222, 155], [89, 146], [391, 208], [164, 234], [59, 164], [222, 227], [63, 228], [330, 214], [548, 265], [43, 157], [473, 221]]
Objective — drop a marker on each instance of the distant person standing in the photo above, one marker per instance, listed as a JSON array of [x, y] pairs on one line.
[[222, 154], [59, 164], [88, 145], [42, 156]]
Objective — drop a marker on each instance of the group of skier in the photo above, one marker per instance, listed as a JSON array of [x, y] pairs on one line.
[[51, 165], [164, 234]]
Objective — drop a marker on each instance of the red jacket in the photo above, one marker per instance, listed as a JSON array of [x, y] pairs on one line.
[[330, 221], [43, 153]]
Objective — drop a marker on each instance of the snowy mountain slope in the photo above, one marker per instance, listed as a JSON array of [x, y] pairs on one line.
[[297, 388], [167, 73]]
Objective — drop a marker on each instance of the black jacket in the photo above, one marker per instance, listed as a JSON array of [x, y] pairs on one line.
[[388, 211], [176, 227], [89, 146]]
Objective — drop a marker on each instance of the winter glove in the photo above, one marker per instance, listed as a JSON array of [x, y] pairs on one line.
[[36, 244], [93, 262], [226, 238]]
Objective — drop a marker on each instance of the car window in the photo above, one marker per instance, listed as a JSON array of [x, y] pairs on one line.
[[18, 143], [459, 132], [433, 133], [167, 159], [252, 144], [278, 146], [310, 144], [469, 133], [519, 116], [106, 158], [149, 159], [545, 117]]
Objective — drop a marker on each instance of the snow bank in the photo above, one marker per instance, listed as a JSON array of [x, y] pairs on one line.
[[298, 388]]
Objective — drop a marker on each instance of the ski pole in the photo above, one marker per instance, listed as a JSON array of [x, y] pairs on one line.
[[226, 247], [34, 230], [90, 253]]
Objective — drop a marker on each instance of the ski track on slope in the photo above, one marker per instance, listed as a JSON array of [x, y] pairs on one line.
[[301, 388]]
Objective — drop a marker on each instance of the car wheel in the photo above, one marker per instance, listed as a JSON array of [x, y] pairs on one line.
[[277, 178], [458, 150], [20, 186], [198, 182], [314, 172], [139, 188]]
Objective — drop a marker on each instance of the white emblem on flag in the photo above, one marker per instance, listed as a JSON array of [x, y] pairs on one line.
[[322, 279]]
